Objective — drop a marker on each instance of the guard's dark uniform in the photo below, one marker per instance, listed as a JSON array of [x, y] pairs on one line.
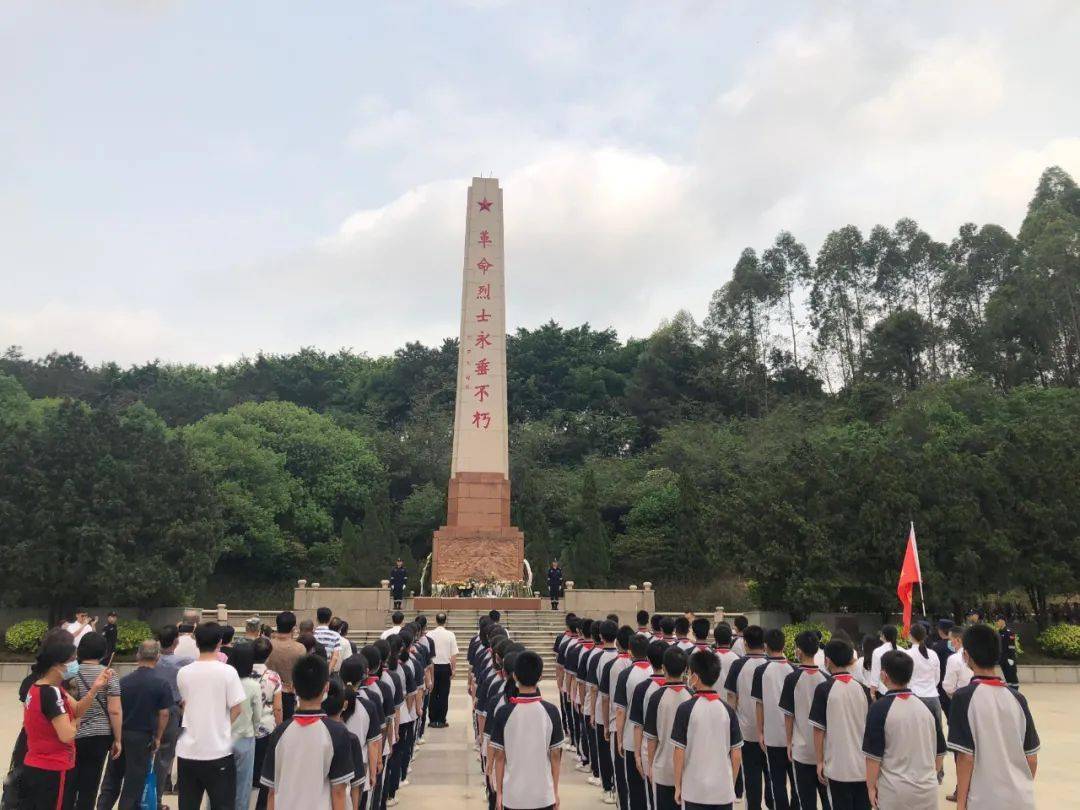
[[555, 586], [398, 577], [1008, 657]]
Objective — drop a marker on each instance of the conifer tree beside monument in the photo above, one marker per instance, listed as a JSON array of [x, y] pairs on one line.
[[589, 558]]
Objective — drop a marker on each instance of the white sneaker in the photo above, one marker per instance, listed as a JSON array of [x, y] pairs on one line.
[[581, 767], [594, 780], [392, 802], [609, 797], [403, 783]]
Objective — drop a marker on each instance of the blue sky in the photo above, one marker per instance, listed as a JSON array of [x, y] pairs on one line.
[[194, 181]]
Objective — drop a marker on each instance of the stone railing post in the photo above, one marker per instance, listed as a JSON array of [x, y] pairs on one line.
[[222, 614]]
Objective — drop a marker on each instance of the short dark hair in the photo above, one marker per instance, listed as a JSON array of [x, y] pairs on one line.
[[528, 668], [674, 661], [898, 665], [336, 623], [92, 647], [262, 647], [586, 627], [608, 630], [440, 618], [207, 636], [655, 621], [571, 620], [682, 625], [656, 651], [494, 615], [642, 618], [185, 628], [310, 674], [722, 634], [308, 640], [354, 668], [286, 621], [982, 645], [840, 652], [741, 623], [667, 625], [613, 617], [753, 637], [706, 666], [807, 642], [397, 617], [167, 635], [227, 633], [774, 639], [323, 614], [334, 702], [622, 638], [421, 620], [639, 646], [241, 658], [700, 626], [372, 657]]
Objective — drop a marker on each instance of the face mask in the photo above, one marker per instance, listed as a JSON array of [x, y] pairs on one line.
[[952, 647], [71, 669]]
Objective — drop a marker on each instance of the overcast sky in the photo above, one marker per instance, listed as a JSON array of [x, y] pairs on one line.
[[195, 181]]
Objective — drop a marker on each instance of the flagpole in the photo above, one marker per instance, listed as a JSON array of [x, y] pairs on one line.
[[918, 565]]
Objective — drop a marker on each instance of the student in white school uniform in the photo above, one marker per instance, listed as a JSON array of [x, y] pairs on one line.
[[772, 732], [609, 678], [926, 671], [526, 739], [738, 646], [903, 743], [739, 686], [838, 715], [706, 740], [992, 732], [724, 638], [795, 700], [627, 683], [639, 701], [887, 636], [659, 723]]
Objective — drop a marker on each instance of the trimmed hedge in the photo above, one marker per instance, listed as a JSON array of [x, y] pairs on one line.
[[130, 634], [792, 630], [1061, 641], [25, 636]]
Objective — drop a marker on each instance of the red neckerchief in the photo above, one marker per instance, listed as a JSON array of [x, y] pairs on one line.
[[525, 699], [657, 679], [681, 639], [669, 639], [718, 649], [903, 694], [701, 645], [302, 718], [642, 664], [678, 686], [755, 655], [778, 658], [844, 677], [588, 645], [989, 680], [707, 694], [808, 667], [371, 679], [624, 655], [644, 631]]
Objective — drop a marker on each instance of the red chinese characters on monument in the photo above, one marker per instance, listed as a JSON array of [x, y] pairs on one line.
[[482, 392], [483, 292], [485, 238], [483, 316], [481, 419], [484, 265], [482, 367], [483, 340]]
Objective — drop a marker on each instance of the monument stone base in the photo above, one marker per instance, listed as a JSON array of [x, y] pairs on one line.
[[463, 553]]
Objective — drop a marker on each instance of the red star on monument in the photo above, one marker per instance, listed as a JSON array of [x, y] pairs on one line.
[[485, 204]]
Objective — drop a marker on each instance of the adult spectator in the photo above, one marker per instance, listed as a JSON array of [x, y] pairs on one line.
[[99, 728], [242, 659], [555, 584], [212, 694], [50, 720], [271, 714], [185, 644], [446, 652], [81, 625], [110, 631], [397, 619], [252, 630], [330, 639], [145, 699], [398, 577], [283, 657], [168, 667]]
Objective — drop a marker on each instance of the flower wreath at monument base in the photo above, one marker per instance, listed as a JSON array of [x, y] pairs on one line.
[[481, 588]]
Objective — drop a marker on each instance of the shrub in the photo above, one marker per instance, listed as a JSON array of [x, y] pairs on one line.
[[792, 630], [25, 636], [130, 634], [1061, 641]]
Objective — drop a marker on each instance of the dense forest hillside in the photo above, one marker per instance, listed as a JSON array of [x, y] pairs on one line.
[[774, 452]]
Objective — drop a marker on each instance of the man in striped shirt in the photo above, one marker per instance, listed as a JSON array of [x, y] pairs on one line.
[[330, 639]]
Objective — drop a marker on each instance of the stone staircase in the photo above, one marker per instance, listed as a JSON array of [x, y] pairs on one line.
[[536, 629]]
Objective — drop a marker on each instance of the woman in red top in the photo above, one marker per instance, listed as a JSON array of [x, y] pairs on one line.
[[50, 718]]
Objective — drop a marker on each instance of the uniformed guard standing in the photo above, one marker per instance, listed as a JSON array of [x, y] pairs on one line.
[[1008, 653], [555, 584], [398, 577]]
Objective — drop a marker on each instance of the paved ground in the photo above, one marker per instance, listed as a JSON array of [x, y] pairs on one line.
[[447, 776]]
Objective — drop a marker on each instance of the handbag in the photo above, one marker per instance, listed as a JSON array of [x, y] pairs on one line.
[[149, 799]]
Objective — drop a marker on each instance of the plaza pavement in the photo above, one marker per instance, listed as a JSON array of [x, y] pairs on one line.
[[446, 776]]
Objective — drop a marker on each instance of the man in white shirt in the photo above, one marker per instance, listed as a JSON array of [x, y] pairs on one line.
[[330, 639], [212, 695], [445, 661], [82, 625], [397, 619], [957, 673]]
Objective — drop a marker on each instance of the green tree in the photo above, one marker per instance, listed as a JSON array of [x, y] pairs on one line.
[[589, 563]]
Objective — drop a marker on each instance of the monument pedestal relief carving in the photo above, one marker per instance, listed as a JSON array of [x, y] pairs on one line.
[[478, 542]]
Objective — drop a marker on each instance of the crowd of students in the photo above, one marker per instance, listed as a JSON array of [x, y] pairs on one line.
[[297, 714], [665, 715]]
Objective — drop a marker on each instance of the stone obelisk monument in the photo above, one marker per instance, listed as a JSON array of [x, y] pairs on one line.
[[478, 541]]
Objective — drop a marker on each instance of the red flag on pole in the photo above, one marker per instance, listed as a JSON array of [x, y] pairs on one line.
[[910, 573]]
